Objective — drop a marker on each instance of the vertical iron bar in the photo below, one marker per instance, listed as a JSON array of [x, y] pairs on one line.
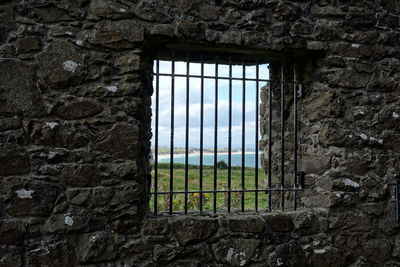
[[256, 139], [156, 136], [243, 131], [187, 136], [397, 192], [270, 146], [282, 140], [295, 137], [201, 132], [216, 135], [171, 168], [230, 136]]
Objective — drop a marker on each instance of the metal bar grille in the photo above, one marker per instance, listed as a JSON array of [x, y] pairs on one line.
[[295, 140], [195, 188], [397, 197], [187, 136], [156, 137], [243, 132], [230, 138], [232, 191], [215, 136], [171, 167], [201, 134], [270, 147], [256, 137], [282, 103], [225, 78]]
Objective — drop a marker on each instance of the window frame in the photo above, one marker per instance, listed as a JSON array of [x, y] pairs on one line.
[[218, 59]]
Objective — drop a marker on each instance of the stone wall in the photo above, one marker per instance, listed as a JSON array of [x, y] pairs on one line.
[[75, 128]]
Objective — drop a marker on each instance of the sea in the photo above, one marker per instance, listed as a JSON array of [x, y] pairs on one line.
[[208, 159]]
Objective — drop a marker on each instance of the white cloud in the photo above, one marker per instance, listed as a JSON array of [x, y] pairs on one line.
[[209, 105]]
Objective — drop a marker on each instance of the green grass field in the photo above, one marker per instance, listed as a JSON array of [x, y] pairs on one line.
[[208, 184]]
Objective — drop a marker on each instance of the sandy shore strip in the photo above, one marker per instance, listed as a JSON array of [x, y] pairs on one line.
[[167, 156]]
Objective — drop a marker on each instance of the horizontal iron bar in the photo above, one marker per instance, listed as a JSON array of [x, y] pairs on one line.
[[227, 191], [224, 78]]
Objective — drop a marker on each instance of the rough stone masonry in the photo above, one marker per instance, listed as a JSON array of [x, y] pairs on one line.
[[75, 87]]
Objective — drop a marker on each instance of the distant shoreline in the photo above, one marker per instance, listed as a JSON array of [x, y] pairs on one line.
[[197, 153]]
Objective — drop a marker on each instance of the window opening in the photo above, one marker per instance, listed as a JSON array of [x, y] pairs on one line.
[[221, 83]]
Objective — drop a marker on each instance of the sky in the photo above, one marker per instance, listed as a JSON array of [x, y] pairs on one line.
[[209, 105]]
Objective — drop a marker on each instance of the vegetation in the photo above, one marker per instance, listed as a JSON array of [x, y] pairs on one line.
[[180, 150], [208, 184], [222, 165]]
